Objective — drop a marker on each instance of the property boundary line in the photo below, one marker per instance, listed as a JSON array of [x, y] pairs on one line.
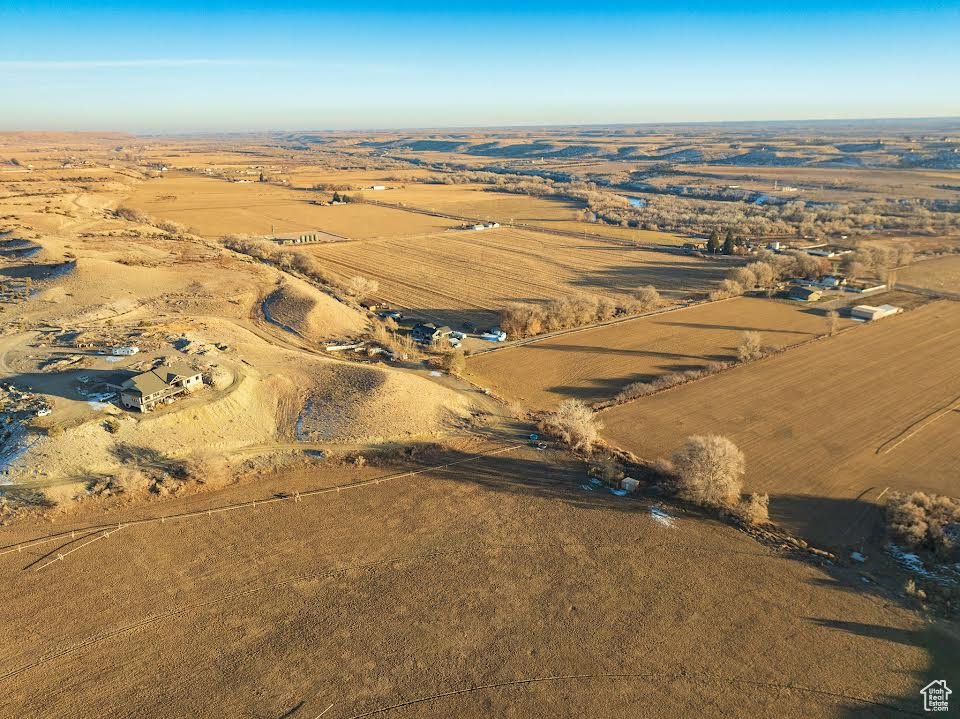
[[295, 497]]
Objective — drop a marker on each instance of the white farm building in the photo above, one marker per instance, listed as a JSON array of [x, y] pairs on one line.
[[869, 313]]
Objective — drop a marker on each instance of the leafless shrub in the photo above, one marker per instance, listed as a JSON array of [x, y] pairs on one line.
[[925, 521], [361, 287], [132, 215], [727, 288], [174, 228], [112, 425], [636, 390], [128, 480], [744, 277], [608, 469], [750, 347], [645, 299], [455, 362], [755, 509], [709, 471], [911, 589], [832, 320], [205, 467], [573, 423]]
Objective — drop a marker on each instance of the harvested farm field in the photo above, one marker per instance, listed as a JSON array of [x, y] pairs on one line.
[[470, 275], [828, 427], [378, 601], [475, 201], [939, 275], [594, 364], [213, 207]]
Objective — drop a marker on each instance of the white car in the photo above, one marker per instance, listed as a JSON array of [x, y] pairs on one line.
[[43, 412]]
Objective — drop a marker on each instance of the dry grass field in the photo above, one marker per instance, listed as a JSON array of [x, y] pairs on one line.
[[491, 588], [829, 426], [215, 207], [450, 582], [595, 364], [476, 202], [837, 184], [941, 274], [460, 275]]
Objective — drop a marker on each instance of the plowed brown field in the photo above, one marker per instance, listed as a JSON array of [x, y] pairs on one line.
[[823, 424], [459, 275], [214, 207], [595, 364]]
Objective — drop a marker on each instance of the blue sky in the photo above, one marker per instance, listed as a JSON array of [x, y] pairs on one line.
[[234, 66]]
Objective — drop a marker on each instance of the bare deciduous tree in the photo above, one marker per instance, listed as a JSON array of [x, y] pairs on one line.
[[832, 321], [744, 277], [750, 347], [727, 288], [573, 423], [709, 470], [361, 287]]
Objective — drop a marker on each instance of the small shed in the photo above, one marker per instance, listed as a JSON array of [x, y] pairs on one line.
[[630, 484]]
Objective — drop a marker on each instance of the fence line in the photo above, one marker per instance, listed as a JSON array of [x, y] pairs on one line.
[[296, 497]]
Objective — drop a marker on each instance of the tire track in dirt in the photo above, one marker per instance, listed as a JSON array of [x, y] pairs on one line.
[[642, 676], [409, 560], [296, 497]]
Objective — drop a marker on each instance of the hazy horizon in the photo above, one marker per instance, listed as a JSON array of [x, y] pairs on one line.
[[233, 67]]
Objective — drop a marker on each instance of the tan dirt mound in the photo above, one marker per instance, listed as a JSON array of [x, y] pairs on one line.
[[313, 315], [354, 403]]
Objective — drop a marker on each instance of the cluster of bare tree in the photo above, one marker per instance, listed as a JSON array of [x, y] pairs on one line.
[[386, 335], [332, 187], [139, 217], [768, 269], [876, 261], [635, 390], [525, 320], [686, 214], [351, 289], [925, 521]]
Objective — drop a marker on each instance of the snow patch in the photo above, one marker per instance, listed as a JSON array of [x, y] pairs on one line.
[[661, 517]]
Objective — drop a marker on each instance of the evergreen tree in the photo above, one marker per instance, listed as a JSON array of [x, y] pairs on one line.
[[713, 244], [336, 197], [728, 244]]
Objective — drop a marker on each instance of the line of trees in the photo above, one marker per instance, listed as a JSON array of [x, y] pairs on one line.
[[350, 289], [526, 320]]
